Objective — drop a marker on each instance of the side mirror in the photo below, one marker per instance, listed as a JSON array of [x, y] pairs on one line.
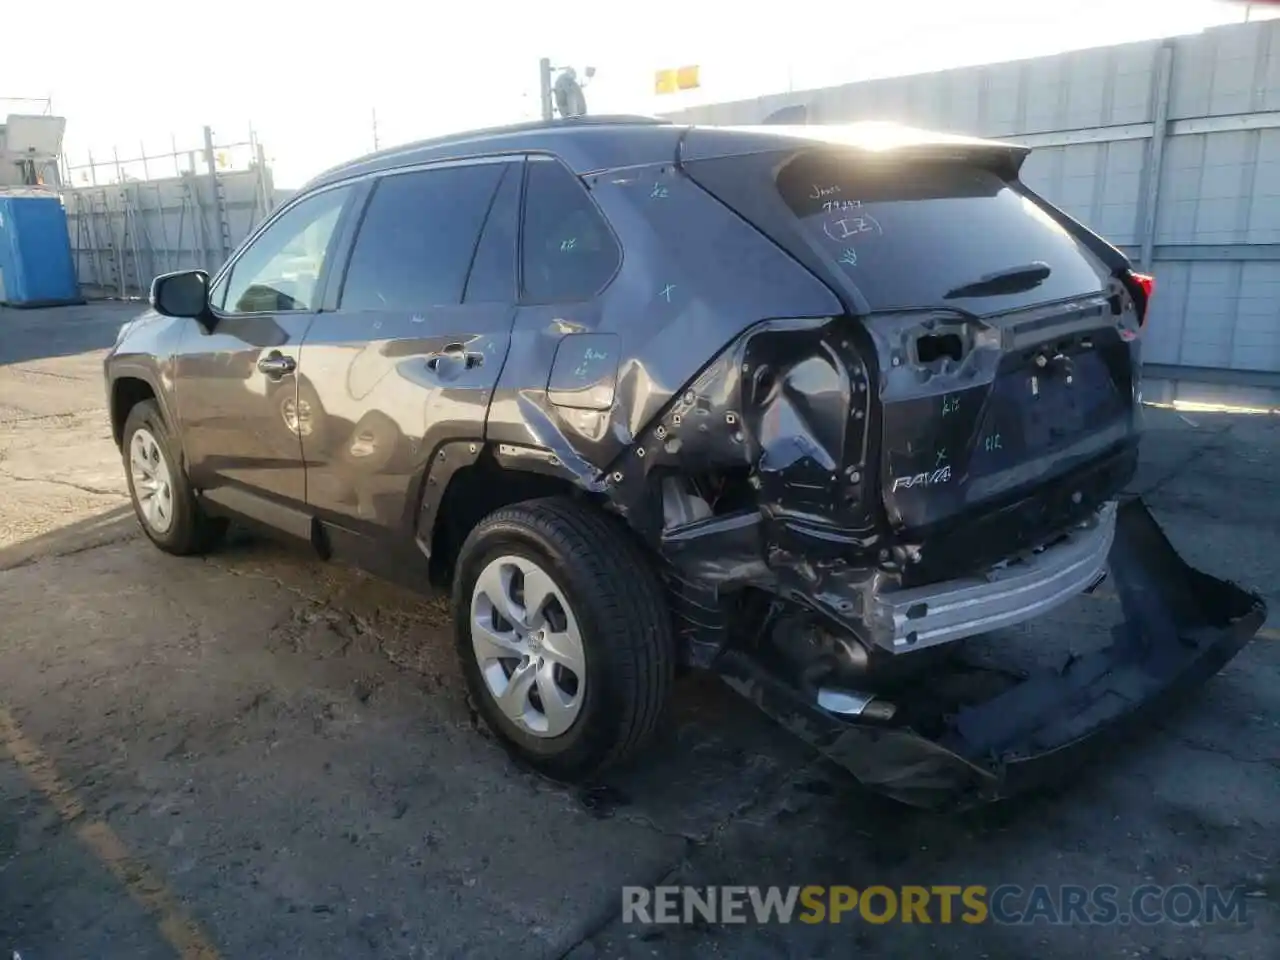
[[181, 294]]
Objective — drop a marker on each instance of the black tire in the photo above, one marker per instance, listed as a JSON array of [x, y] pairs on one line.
[[621, 610], [191, 531]]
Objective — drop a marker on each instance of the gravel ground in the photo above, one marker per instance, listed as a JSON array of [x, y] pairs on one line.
[[258, 755]]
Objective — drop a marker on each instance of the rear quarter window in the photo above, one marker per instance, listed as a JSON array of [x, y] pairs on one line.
[[568, 252], [911, 233]]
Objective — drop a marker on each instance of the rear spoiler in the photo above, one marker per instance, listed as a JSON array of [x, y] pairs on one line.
[[873, 137]]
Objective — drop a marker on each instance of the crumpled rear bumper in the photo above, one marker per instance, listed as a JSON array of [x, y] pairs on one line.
[[1180, 627]]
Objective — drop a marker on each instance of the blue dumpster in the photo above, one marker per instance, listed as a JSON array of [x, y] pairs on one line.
[[36, 267]]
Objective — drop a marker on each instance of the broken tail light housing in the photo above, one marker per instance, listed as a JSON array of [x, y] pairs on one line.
[[1141, 287]]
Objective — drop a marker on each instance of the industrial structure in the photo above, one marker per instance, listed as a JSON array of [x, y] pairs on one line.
[[105, 228], [187, 209]]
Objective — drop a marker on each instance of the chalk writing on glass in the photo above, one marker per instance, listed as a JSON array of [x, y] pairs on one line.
[[849, 257], [667, 291], [593, 354], [820, 192], [940, 460], [850, 226], [831, 206], [950, 405], [569, 244], [658, 192], [992, 443]]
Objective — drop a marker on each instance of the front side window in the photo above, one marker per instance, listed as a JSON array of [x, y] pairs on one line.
[[418, 237], [568, 252], [280, 270]]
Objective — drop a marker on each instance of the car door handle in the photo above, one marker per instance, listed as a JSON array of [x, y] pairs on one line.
[[276, 364], [455, 352]]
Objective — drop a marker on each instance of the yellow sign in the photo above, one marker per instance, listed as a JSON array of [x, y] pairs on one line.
[[681, 78]]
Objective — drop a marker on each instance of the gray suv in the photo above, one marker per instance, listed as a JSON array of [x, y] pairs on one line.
[[805, 406]]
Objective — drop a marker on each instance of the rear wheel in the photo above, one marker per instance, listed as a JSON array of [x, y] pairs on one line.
[[162, 497], [563, 634]]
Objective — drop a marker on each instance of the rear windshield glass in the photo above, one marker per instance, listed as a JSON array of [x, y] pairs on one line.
[[935, 233]]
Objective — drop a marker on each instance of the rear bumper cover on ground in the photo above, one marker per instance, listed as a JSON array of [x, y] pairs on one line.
[[1180, 627]]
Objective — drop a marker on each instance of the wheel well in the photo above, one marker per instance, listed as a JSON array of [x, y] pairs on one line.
[[126, 393], [473, 493]]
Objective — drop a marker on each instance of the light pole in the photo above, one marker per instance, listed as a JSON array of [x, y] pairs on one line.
[[544, 88]]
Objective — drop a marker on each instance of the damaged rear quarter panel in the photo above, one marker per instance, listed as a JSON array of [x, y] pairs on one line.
[[694, 276]]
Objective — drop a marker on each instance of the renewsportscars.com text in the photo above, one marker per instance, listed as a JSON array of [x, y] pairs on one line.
[[1006, 904]]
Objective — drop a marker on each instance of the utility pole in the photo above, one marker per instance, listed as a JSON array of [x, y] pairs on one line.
[[375, 128], [544, 88]]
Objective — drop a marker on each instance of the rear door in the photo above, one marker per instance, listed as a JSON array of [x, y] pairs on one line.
[[418, 330]]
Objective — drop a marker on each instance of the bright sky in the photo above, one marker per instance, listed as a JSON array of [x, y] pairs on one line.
[[140, 72]]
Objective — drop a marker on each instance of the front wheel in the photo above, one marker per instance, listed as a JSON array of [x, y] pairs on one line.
[[563, 634], [162, 496]]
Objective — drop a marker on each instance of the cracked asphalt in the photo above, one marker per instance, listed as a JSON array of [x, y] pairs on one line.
[[259, 755]]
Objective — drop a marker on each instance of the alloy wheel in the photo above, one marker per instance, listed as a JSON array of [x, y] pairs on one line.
[[528, 645], [152, 481]]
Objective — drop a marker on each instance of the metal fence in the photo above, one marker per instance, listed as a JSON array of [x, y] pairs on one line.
[[133, 218], [1170, 148]]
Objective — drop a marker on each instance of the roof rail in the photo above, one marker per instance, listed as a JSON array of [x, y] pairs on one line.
[[604, 118], [465, 136]]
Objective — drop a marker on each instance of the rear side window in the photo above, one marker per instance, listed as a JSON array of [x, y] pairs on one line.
[[926, 233], [568, 251], [418, 237]]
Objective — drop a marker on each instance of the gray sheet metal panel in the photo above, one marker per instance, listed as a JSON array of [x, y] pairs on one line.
[[1089, 115]]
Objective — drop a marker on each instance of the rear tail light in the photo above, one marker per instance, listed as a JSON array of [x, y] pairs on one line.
[[1141, 286], [1146, 283]]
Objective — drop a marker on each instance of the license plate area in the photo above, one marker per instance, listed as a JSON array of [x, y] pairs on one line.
[[1039, 406]]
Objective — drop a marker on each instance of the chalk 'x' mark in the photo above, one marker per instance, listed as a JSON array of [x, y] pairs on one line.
[[667, 291]]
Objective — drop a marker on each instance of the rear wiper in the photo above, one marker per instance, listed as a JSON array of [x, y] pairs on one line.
[[1009, 280]]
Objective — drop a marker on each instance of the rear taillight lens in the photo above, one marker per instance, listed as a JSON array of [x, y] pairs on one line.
[[1142, 286]]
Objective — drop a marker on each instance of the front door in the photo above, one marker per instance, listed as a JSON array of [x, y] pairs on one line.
[[237, 385], [409, 353]]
